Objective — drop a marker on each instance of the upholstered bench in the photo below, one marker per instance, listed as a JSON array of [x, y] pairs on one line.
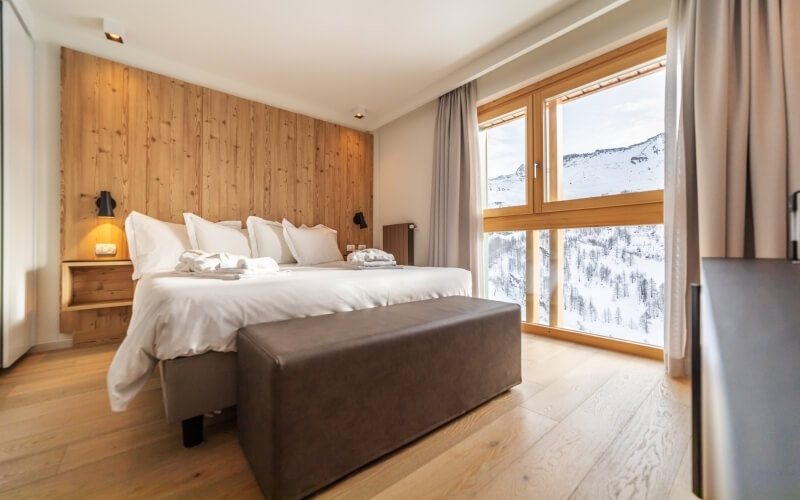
[[322, 396]]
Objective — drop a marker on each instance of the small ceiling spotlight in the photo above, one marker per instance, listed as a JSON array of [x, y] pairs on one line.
[[113, 30], [360, 111]]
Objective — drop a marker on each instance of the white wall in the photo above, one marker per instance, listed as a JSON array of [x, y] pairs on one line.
[[404, 158], [19, 188], [48, 196], [403, 176]]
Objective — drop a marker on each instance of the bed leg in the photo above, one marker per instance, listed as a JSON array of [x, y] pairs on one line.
[[192, 431]]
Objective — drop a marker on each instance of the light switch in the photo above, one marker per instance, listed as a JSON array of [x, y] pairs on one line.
[[351, 248], [105, 249], [362, 247]]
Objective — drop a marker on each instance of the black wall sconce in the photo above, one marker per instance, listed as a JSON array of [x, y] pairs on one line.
[[360, 220], [105, 205]]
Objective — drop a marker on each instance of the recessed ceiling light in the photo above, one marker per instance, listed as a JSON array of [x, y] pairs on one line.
[[360, 111], [113, 30]]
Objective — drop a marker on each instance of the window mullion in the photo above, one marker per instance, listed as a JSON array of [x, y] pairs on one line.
[[537, 151], [556, 281], [532, 277]]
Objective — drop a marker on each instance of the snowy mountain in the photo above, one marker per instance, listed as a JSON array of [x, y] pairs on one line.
[[639, 167], [613, 276], [508, 190]]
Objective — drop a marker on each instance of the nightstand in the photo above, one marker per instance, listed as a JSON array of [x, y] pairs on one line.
[[96, 284]]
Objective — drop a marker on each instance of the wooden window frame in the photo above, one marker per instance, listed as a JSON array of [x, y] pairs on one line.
[[597, 74], [522, 102], [640, 208]]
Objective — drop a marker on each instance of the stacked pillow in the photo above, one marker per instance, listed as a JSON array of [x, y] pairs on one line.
[[156, 245], [312, 245], [217, 237], [267, 240]]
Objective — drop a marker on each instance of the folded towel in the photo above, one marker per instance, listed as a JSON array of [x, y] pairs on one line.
[[369, 255], [224, 265], [362, 267], [260, 264], [229, 274], [378, 263], [197, 261]]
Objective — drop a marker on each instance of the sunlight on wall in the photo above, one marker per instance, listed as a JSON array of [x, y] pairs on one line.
[[106, 231]]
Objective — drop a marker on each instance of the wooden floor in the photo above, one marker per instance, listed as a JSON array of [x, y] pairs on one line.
[[585, 423]]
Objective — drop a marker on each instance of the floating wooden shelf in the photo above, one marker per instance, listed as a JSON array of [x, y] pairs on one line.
[[96, 284]]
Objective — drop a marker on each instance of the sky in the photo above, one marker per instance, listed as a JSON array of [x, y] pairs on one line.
[[506, 145], [616, 117]]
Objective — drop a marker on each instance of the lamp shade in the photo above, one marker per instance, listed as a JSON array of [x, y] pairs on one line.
[[360, 220], [105, 205]]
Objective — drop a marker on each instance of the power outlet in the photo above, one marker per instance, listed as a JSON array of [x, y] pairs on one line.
[[362, 247], [351, 248], [105, 249]]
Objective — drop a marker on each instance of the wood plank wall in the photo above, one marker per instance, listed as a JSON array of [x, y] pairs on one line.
[[164, 147]]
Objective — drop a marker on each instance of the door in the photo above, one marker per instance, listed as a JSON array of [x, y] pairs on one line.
[[18, 182]]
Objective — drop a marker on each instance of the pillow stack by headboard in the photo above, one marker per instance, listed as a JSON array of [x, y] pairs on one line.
[[156, 246]]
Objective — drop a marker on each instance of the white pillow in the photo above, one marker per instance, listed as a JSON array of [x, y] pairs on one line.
[[267, 240], [312, 245], [226, 236], [154, 245]]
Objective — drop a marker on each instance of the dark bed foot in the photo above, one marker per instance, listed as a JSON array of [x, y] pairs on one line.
[[192, 431]]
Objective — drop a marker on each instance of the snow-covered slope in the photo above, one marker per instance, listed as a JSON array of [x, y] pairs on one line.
[[507, 190], [614, 276], [639, 167]]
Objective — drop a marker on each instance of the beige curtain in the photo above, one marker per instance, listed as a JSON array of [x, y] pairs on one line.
[[456, 206], [733, 103]]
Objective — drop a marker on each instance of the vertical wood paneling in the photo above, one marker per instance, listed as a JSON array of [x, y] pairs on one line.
[[190, 154], [262, 158], [306, 152], [164, 147], [320, 171], [213, 154], [174, 131], [159, 131], [135, 180], [285, 168]]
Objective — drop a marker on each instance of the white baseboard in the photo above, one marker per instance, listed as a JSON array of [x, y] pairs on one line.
[[51, 346]]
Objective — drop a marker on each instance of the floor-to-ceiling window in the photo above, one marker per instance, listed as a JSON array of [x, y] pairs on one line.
[[574, 169]]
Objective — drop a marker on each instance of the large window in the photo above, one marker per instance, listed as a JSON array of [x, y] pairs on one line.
[[503, 155], [574, 172]]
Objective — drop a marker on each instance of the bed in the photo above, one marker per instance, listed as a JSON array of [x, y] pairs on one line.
[[189, 324]]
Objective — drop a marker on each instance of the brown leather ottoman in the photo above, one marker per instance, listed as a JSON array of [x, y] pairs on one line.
[[322, 396]]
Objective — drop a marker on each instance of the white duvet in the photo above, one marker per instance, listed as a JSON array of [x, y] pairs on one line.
[[177, 316]]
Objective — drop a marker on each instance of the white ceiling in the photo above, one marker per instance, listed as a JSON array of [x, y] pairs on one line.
[[320, 57]]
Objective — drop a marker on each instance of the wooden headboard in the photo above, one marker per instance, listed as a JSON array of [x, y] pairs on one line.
[[164, 147]]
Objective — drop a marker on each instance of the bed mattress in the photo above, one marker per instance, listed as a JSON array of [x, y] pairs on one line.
[[175, 315]]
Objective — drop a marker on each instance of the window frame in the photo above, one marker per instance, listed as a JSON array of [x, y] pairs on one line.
[[522, 102], [627, 209], [593, 75]]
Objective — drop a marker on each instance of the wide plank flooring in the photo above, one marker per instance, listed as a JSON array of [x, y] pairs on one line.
[[585, 423]]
